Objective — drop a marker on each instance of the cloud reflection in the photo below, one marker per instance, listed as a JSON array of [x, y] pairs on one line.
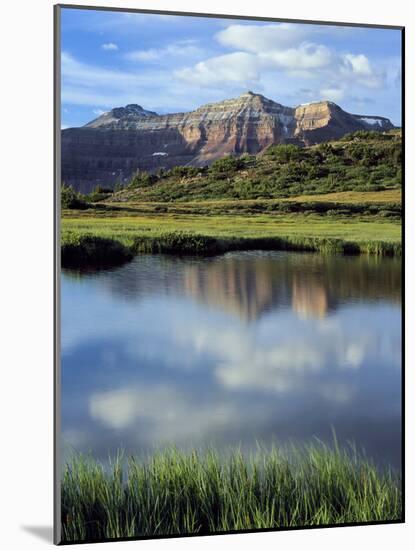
[[162, 413], [231, 355]]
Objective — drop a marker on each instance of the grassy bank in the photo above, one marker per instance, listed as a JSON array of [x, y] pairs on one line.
[[177, 493], [125, 228], [87, 250], [199, 234]]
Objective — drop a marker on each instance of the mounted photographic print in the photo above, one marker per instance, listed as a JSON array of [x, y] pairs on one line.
[[228, 274]]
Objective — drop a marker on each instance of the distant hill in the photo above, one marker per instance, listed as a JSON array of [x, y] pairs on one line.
[[113, 146]]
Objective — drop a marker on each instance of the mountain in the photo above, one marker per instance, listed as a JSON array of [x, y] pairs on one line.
[[117, 143]]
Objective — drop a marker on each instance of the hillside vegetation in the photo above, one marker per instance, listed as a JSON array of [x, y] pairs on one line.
[[363, 161]]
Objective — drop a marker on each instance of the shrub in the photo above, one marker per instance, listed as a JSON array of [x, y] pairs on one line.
[[366, 135], [71, 198], [89, 251], [226, 165], [141, 179], [285, 153], [99, 193], [184, 171]]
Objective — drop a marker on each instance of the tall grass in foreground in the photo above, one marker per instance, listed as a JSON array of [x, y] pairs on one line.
[[178, 493]]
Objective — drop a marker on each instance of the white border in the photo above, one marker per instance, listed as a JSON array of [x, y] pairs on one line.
[[26, 46]]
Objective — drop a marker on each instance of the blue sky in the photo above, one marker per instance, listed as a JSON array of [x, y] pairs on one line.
[[169, 63]]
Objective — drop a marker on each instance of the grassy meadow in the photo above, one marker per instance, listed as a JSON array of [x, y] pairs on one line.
[[175, 493], [201, 234]]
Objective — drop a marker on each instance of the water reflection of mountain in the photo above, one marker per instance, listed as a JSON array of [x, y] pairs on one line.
[[310, 298], [238, 285], [248, 284]]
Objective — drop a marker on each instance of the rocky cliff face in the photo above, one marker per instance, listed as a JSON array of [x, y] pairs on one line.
[[317, 122], [114, 145]]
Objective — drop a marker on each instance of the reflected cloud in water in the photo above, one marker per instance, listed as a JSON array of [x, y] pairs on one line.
[[232, 349]]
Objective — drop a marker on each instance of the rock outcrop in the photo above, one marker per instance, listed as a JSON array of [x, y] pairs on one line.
[[114, 145]]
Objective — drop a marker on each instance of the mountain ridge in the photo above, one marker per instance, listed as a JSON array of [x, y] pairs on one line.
[[118, 142]]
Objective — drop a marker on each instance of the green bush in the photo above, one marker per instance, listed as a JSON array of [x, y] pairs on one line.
[[184, 171], [99, 193], [226, 165], [89, 251], [366, 135], [71, 198], [141, 179], [285, 153]]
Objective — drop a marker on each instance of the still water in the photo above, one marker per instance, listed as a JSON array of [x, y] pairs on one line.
[[225, 351]]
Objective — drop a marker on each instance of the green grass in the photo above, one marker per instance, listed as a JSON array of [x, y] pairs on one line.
[[125, 228], [175, 493], [345, 197], [354, 197], [198, 234], [311, 205]]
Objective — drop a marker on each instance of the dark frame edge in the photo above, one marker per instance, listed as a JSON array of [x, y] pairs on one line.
[[57, 537], [403, 281], [227, 16]]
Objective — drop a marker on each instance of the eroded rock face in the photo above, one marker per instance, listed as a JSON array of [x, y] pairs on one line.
[[317, 122], [114, 145]]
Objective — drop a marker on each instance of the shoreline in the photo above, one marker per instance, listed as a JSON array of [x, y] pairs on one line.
[[88, 250]]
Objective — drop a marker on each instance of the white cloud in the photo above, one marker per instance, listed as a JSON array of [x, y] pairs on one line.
[[306, 56], [278, 47], [98, 112], [282, 45], [262, 38], [332, 94], [109, 46], [234, 68], [181, 48], [359, 63], [264, 49], [358, 69]]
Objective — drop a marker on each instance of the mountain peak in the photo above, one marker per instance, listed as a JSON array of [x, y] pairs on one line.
[[128, 115], [248, 105], [253, 96], [133, 107]]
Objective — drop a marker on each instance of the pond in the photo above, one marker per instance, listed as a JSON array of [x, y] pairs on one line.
[[230, 350]]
